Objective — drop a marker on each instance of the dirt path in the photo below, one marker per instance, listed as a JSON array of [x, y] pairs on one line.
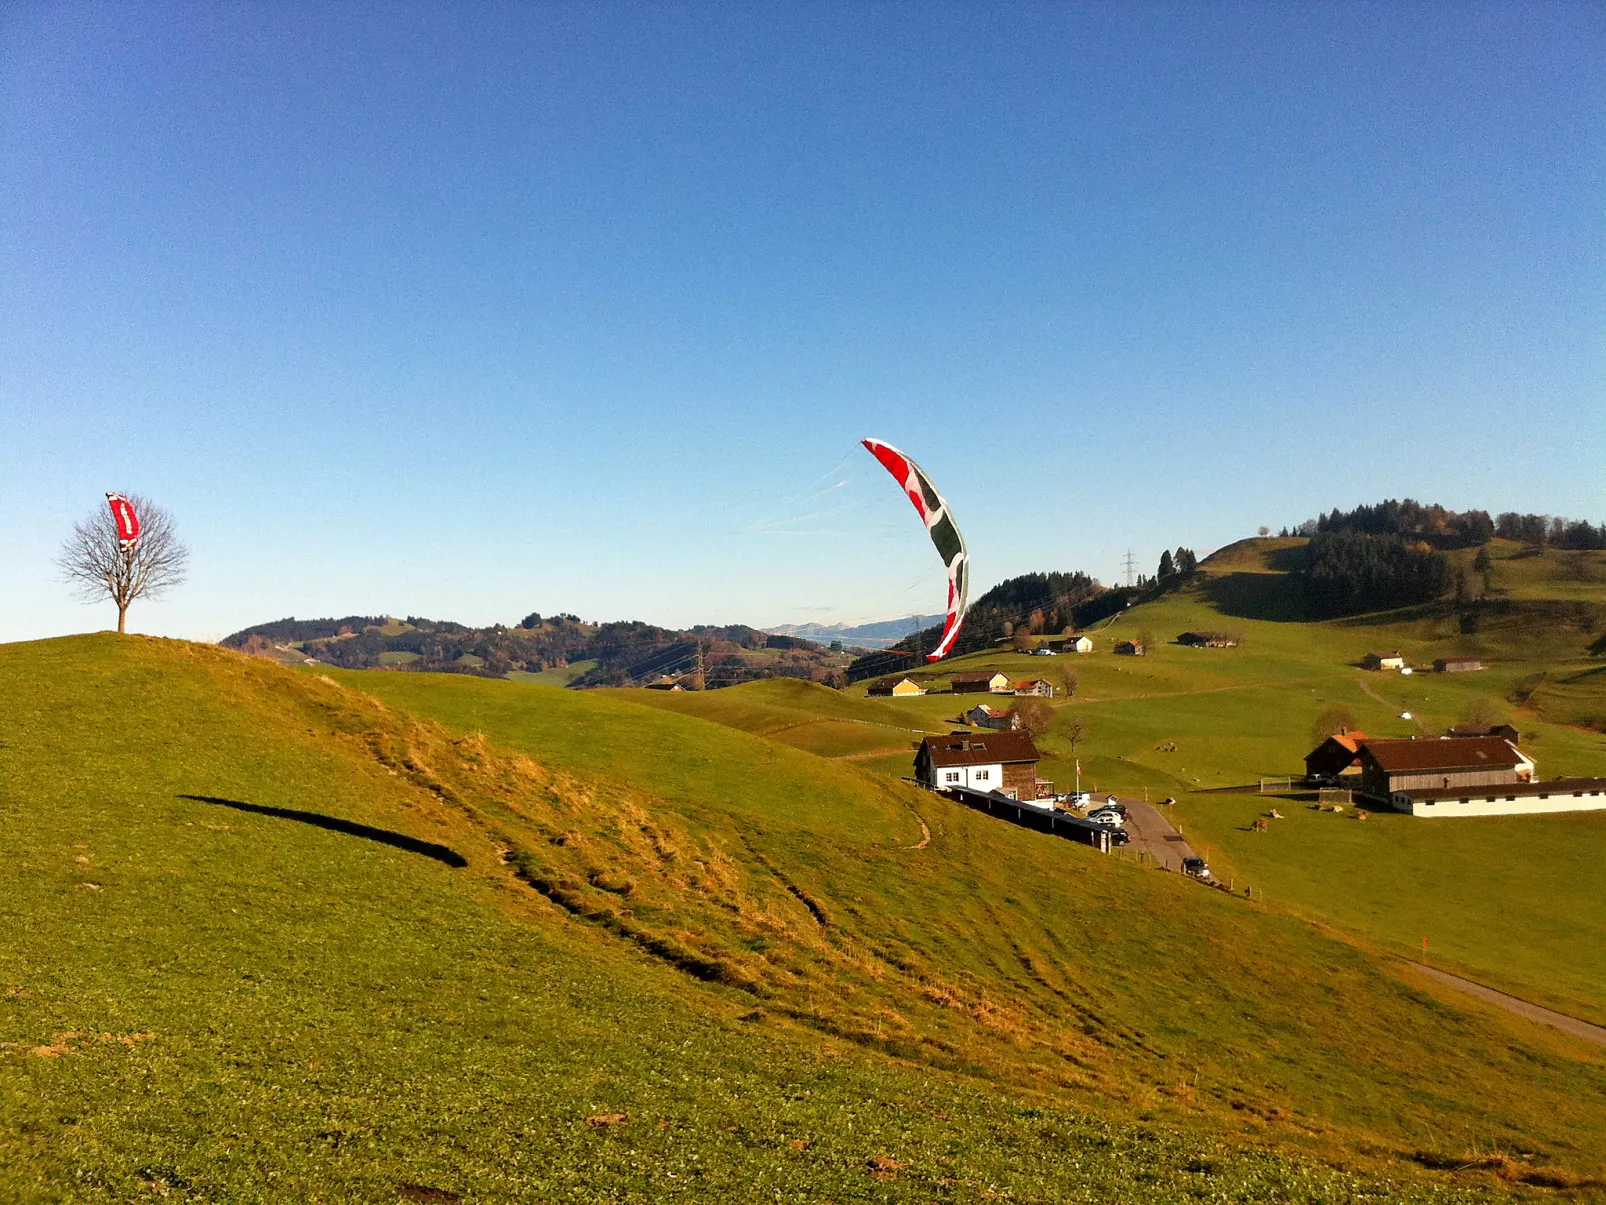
[[1372, 694], [1545, 1016]]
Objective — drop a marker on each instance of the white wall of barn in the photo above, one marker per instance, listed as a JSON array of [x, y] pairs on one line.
[[1522, 805]]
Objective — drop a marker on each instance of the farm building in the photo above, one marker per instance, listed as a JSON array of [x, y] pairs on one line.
[[994, 761], [1390, 768], [1558, 795], [1129, 648], [1339, 756], [1457, 665], [1077, 644], [1037, 687], [897, 688], [983, 716], [1208, 640], [1383, 661], [998, 684], [1504, 731], [665, 683]]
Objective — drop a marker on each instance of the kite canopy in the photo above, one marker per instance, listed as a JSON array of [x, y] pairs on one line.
[[124, 517], [943, 531]]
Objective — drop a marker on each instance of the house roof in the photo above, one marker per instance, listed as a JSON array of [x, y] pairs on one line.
[[977, 677], [981, 749], [1028, 683], [1350, 740], [1466, 753], [995, 712], [1466, 730]]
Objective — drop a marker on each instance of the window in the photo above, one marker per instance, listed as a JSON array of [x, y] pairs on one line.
[[981, 775], [951, 776]]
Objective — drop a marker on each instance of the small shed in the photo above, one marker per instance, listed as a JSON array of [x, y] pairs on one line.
[[1394, 660], [1457, 665], [1079, 643], [1129, 648], [897, 688], [984, 683]]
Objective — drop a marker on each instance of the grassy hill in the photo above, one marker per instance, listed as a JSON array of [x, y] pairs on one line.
[[1509, 901], [274, 940]]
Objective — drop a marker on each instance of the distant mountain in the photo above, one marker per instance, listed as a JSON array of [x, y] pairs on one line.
[[865, 635], [626, 653]]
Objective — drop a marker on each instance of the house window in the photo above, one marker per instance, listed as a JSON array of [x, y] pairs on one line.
[[981, 775], [951, 776]]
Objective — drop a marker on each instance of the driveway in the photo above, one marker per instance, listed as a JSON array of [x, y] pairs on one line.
[[1153, 833]]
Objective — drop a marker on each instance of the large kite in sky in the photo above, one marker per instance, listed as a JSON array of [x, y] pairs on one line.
[[127, 521], [944, 534]]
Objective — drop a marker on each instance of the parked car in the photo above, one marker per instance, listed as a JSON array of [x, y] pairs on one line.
[[1195, 867], [1107, 819], [1115, 806], [1119, 836]]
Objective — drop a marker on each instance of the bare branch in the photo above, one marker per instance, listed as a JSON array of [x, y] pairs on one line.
[[97, 566]]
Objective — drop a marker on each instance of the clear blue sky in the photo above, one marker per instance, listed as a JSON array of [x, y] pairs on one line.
[[469, 310]]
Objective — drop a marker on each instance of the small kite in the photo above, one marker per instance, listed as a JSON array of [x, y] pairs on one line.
[[944, 534], [127, 521]]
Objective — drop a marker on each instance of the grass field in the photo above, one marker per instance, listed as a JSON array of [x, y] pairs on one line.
[[1160, 973], [223, 987], [1513, 902]]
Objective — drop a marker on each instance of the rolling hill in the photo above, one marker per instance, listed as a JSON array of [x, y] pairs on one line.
[[278, 939]]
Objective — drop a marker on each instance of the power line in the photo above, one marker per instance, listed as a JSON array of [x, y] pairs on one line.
[[1130, 563]]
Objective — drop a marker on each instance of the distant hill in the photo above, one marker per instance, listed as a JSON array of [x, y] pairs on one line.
[[623, 653]]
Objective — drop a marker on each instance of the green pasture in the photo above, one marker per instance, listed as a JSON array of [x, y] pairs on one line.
[[1166, 973], [202, 1003], [244, 967], [554, 677]]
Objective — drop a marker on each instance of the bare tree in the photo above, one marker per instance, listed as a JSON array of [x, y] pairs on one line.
[[98, 565], [1334, 720], [1033, 714], [1071, 679], [1023, 639]]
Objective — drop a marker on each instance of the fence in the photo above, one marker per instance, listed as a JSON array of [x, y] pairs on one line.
[[1269, 785]]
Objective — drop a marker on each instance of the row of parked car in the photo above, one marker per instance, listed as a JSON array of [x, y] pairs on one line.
[[1111, 814]]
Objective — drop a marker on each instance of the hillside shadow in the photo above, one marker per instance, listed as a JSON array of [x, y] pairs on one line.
[[1270, 596], [440, 853]]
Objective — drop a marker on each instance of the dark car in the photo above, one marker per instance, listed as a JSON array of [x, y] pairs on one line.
[[1195, 866], [1119, 836]]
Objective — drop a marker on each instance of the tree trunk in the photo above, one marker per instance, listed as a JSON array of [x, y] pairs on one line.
[[122, 620]]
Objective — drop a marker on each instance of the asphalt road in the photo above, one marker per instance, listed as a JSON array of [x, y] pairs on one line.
[[1153, 833]]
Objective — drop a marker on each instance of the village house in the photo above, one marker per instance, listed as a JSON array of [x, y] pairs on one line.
[[1396, 767], [995, 761], [1207, 640], [665, 683], [1457, 665], [998, 684], [1337, 757], [1129, 648], [1036, 687], [897, 688], [1078, 644], [983, 716], [1383, 661]]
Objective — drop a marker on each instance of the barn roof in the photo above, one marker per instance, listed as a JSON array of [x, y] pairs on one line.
[[1467, 753], [985, 749]]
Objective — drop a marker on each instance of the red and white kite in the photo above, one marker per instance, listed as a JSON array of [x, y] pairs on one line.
[[944, 534], [127, 521]]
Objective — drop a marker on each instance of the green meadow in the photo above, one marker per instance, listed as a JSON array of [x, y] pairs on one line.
[[275, 934]]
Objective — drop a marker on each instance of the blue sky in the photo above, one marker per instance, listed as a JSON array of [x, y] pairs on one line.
[[465, 311]]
